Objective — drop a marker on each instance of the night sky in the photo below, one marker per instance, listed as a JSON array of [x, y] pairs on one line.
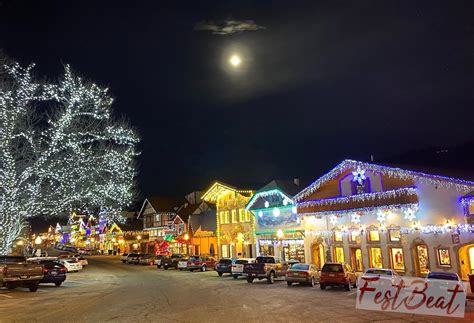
[[319, 81]]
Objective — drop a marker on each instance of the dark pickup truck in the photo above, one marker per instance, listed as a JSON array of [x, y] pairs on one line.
[[16, 272], [265, 267]]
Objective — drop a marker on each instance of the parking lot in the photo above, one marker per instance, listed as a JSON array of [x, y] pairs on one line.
[[108, 290]]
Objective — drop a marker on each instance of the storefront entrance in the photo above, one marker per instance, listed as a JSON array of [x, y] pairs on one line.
[[317, 255], [466, 260], [356, 259], [421, 259]]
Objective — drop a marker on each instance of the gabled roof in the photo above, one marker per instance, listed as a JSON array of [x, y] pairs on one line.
[[218, 188], [188, 209], [285, 186], [385, 170], [206, 221], [285, 189], [163, 204]]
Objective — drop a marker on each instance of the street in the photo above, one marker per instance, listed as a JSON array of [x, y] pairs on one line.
[[108, 290]]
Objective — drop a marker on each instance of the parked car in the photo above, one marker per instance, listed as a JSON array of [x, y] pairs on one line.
[[201, 263], [53, 271], [83, 261], [172, 261], [385, 274], [159, 260], [224, 266], [302, 273], [15, 271], [123, 257], [238, 267], [71, 264], [265, 267], [291, 262], [132, 258], [337, 274], [146, 259]]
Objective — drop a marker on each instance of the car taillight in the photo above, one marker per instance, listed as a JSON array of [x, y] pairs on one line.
[[63, 270], [289, 273], [45, 271], [189, 263]]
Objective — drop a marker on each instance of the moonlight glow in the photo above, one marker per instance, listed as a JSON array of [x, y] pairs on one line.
[[235, 60]]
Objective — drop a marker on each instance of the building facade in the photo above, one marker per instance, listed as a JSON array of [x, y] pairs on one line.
[[369, 215], [235, 224], [167, 232], [278, 229]]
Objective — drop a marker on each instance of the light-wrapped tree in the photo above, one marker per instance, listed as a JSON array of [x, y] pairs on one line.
[[60, 150]]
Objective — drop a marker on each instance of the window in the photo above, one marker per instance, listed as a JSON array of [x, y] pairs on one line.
[[242, 215], [355, 236], [374, 236], [375, 257], [225, 253], [234, 216], [339, 254], [222, 217], [247, 216], [423, 259], [397, 260], [356, 258], [394, 235], [443, 257], [338, 236], [226, 217]]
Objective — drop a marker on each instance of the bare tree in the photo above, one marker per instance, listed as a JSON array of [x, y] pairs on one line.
[[60, 150]]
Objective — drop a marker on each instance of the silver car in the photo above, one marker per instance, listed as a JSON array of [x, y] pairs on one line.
[[303, 274]]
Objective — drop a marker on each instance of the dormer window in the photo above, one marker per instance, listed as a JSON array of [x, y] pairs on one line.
[[360, 183]]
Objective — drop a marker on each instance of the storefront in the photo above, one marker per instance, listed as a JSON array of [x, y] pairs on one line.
[[279, 231], [235, 226], [372, 216]]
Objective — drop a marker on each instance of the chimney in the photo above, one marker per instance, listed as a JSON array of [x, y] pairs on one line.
[[296, 181]]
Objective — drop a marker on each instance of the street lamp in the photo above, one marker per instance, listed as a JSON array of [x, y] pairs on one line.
[[38, 240], [186, 237], [279, 234]]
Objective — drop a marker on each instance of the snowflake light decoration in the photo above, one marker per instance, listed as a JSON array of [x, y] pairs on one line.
[[355, 218], [359, 175], [381, 215], [333, 219], [267, 204], [410, 214]]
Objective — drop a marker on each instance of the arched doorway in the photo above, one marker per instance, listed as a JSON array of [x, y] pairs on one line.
[[317, 255], [466, 261], [421, 258]]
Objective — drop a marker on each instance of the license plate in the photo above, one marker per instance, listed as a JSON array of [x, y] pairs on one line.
[[23, 277], [158, 262], [332, 275], [54, 273]]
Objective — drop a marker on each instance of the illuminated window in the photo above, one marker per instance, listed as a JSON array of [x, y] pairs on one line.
[[247, 216], [225, 253], [338, 236], [226, 217], [357, 259], [394, 235], [242, 215], [423, 259], [355, 237], [444, 258], [374, 236], [375, 257], [397, 260], [234, 216], [339, 254], [222, 217]]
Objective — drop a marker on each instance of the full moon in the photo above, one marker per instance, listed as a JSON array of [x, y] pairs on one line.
[[235, 60]]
